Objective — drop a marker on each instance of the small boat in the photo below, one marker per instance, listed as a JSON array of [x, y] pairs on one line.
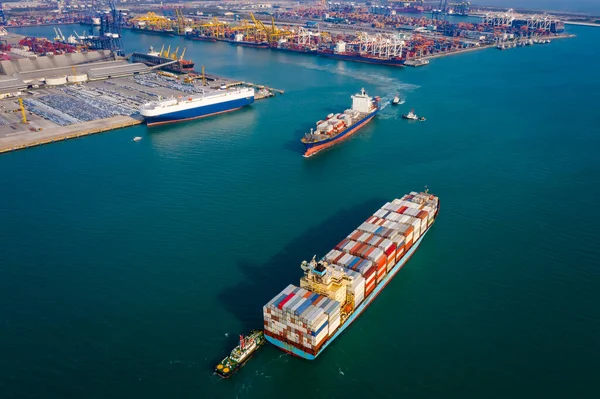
[[137, 138], [396, 100], [411, 116], [240, 354], [422, 119]]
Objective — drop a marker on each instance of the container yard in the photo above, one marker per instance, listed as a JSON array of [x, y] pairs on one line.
[[387, 35], [303, 320]]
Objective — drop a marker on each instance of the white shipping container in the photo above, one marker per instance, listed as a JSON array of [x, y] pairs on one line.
[[382, 213]]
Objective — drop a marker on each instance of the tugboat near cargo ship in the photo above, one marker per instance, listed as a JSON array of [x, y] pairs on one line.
[[334, 291], [240, 354], [336, 128]]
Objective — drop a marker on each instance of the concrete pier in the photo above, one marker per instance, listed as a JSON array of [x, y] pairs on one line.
[[20, 141]]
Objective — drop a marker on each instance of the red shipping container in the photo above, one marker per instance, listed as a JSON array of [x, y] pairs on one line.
[[284, 301], [341, 244]]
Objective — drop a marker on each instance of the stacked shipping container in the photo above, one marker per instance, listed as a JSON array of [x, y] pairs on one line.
[[301, 318]]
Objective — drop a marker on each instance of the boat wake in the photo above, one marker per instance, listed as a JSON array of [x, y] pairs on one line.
[[380, 81]]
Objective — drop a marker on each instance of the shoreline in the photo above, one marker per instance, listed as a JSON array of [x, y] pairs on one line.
[[21, 141]]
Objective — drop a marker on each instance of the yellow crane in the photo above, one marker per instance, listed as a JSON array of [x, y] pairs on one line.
[[181, 24], [152, 20], [23, 113]]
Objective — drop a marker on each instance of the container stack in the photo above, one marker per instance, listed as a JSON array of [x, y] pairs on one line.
[[355, 287], [365, 251], [301, 318]]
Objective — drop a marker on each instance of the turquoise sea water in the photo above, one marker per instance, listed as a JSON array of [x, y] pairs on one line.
[[128, 269]]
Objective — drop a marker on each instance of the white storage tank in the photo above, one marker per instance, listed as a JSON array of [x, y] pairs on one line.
[[56, 80], [78, 78]]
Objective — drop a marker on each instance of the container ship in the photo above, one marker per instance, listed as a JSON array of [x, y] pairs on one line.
[[198, 37], [151, 31], [342, 52], [335, 290], [238, 40], [284, 45], [196, 106], [336, 128], [155, 58], [240, 354], [352, 56]]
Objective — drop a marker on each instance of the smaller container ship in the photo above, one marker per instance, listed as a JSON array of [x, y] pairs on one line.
[[283, 45], [196, 106], [151, 31], [175, 63], [240, 354], [198, 37], [238, 40], [336, 128]]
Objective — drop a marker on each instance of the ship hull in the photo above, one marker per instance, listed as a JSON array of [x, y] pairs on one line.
[[367, 60], [313, 148], [198, 112], [154, 32], [201, 38], [358, 311], [291, 50], [251, 44]]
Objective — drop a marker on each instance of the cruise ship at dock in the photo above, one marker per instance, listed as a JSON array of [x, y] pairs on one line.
[[196, 106]]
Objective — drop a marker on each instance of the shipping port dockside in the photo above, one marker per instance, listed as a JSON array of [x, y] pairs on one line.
[[52, 99]]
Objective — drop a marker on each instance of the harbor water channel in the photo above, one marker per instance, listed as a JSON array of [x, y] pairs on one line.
[[129, 269]]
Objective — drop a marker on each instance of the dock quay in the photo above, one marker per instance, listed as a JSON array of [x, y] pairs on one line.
[[51, 99], [20, 141]]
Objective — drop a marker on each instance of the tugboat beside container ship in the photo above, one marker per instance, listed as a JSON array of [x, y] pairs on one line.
[[334, 291], [336, 128]]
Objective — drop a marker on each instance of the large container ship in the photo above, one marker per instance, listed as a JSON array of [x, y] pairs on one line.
[[335, 290], [353, 56], [196, 106], [344, 51], [336, 128]]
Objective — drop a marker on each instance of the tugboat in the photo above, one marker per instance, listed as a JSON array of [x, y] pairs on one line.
[[411, 115], [396, 100], [240, 354]]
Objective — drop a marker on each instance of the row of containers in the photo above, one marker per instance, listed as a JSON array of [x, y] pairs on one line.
[[337, 122], [303, 319]]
